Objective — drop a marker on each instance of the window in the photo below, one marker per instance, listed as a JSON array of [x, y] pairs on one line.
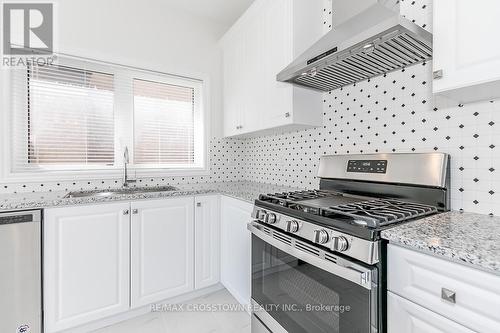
[[164, 124], [70, 117], [79, 116]]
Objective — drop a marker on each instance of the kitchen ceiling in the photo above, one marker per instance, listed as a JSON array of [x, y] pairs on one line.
[[223, 12]]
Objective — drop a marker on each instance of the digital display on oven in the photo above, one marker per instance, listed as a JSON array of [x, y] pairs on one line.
[[367, 166]]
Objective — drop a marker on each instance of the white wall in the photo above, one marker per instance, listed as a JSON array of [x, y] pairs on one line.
[[151, 35], [147, 34]]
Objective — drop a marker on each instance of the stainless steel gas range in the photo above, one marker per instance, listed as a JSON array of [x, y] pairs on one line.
[[318, 262]]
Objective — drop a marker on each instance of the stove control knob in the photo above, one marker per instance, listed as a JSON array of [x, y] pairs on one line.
[[321, 236], [340, 244], [292, 226], [261, 215], [271, 218]]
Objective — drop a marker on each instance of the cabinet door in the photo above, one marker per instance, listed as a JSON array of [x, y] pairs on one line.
[[423, 279], [206, 241], [405, 316], [236, 247], [464, 47], [86, 264], [261, 44], [276, 23], [162, 250], [233, 82], [253, 94]]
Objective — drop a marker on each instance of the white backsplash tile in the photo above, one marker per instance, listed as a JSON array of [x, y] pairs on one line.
[[226, 164], [390, 113]]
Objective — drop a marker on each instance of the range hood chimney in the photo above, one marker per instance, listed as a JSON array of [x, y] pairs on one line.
[[376, 40]]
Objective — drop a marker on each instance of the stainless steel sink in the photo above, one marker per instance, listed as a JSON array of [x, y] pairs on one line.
[[120, 191]]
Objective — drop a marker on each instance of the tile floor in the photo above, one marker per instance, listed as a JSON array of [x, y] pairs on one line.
[[188, 322]]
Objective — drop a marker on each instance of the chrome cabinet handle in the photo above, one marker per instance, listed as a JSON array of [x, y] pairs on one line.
[[449, 295], [436, 75], [126, 212], [135, 211]]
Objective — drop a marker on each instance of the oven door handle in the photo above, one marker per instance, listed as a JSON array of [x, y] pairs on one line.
[[338, 266]]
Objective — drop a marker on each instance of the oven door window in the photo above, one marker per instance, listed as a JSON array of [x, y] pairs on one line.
[[304, 298]]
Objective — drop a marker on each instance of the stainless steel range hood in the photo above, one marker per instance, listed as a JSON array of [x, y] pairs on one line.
[[375, 41]]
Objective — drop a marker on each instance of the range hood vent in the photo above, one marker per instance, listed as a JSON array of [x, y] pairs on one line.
[[376, 41]]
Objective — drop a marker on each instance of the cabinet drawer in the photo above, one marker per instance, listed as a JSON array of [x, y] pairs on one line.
[[408, 317], [427, 281]]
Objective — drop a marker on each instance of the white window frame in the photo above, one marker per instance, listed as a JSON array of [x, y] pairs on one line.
[[124, 127]]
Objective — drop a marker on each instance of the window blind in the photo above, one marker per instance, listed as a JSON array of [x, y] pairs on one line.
[[163, 124], [65, 119], [79, 115]]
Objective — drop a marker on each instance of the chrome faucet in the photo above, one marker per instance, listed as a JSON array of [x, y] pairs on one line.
[[126, 161]]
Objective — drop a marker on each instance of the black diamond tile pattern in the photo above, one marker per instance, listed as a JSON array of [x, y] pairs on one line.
[[391, 113]]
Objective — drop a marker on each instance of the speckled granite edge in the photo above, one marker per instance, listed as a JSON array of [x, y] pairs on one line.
[[242, 190], [467, 238]]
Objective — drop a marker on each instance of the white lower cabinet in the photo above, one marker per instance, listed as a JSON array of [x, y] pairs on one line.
[[85, 265], [408, 317], [207, 241], [463, 295], [104, 260], [162, 250], [236, 247]]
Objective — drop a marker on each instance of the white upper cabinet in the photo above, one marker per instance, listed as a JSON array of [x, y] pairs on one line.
[[85, 264], [264, 41], [466, 51], [162, 243]]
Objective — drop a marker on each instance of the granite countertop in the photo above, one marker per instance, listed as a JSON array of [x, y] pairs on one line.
[[243, 190], [473, 239]]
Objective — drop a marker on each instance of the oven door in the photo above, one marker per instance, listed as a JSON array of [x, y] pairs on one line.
[[298, 287]]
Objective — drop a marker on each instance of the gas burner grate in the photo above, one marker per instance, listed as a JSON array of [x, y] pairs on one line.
[[380, 212], [288, 199]]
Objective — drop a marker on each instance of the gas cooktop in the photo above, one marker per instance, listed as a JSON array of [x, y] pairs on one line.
[[360, 210]]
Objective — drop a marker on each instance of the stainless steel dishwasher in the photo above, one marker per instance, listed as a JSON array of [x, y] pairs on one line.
[[20, 272]]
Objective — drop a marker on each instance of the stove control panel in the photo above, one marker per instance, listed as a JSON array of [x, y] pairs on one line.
[[328, 238], [367, 166]]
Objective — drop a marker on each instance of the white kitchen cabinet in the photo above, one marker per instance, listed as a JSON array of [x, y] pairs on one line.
[[235, 248], [464, 295], [260, 44], [234, 91], [207, 241], [162, 249], [85, 264], [466, 58], [408, 317]]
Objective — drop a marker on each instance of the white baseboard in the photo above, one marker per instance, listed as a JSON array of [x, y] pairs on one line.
[[95, 325], [238, 297]]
